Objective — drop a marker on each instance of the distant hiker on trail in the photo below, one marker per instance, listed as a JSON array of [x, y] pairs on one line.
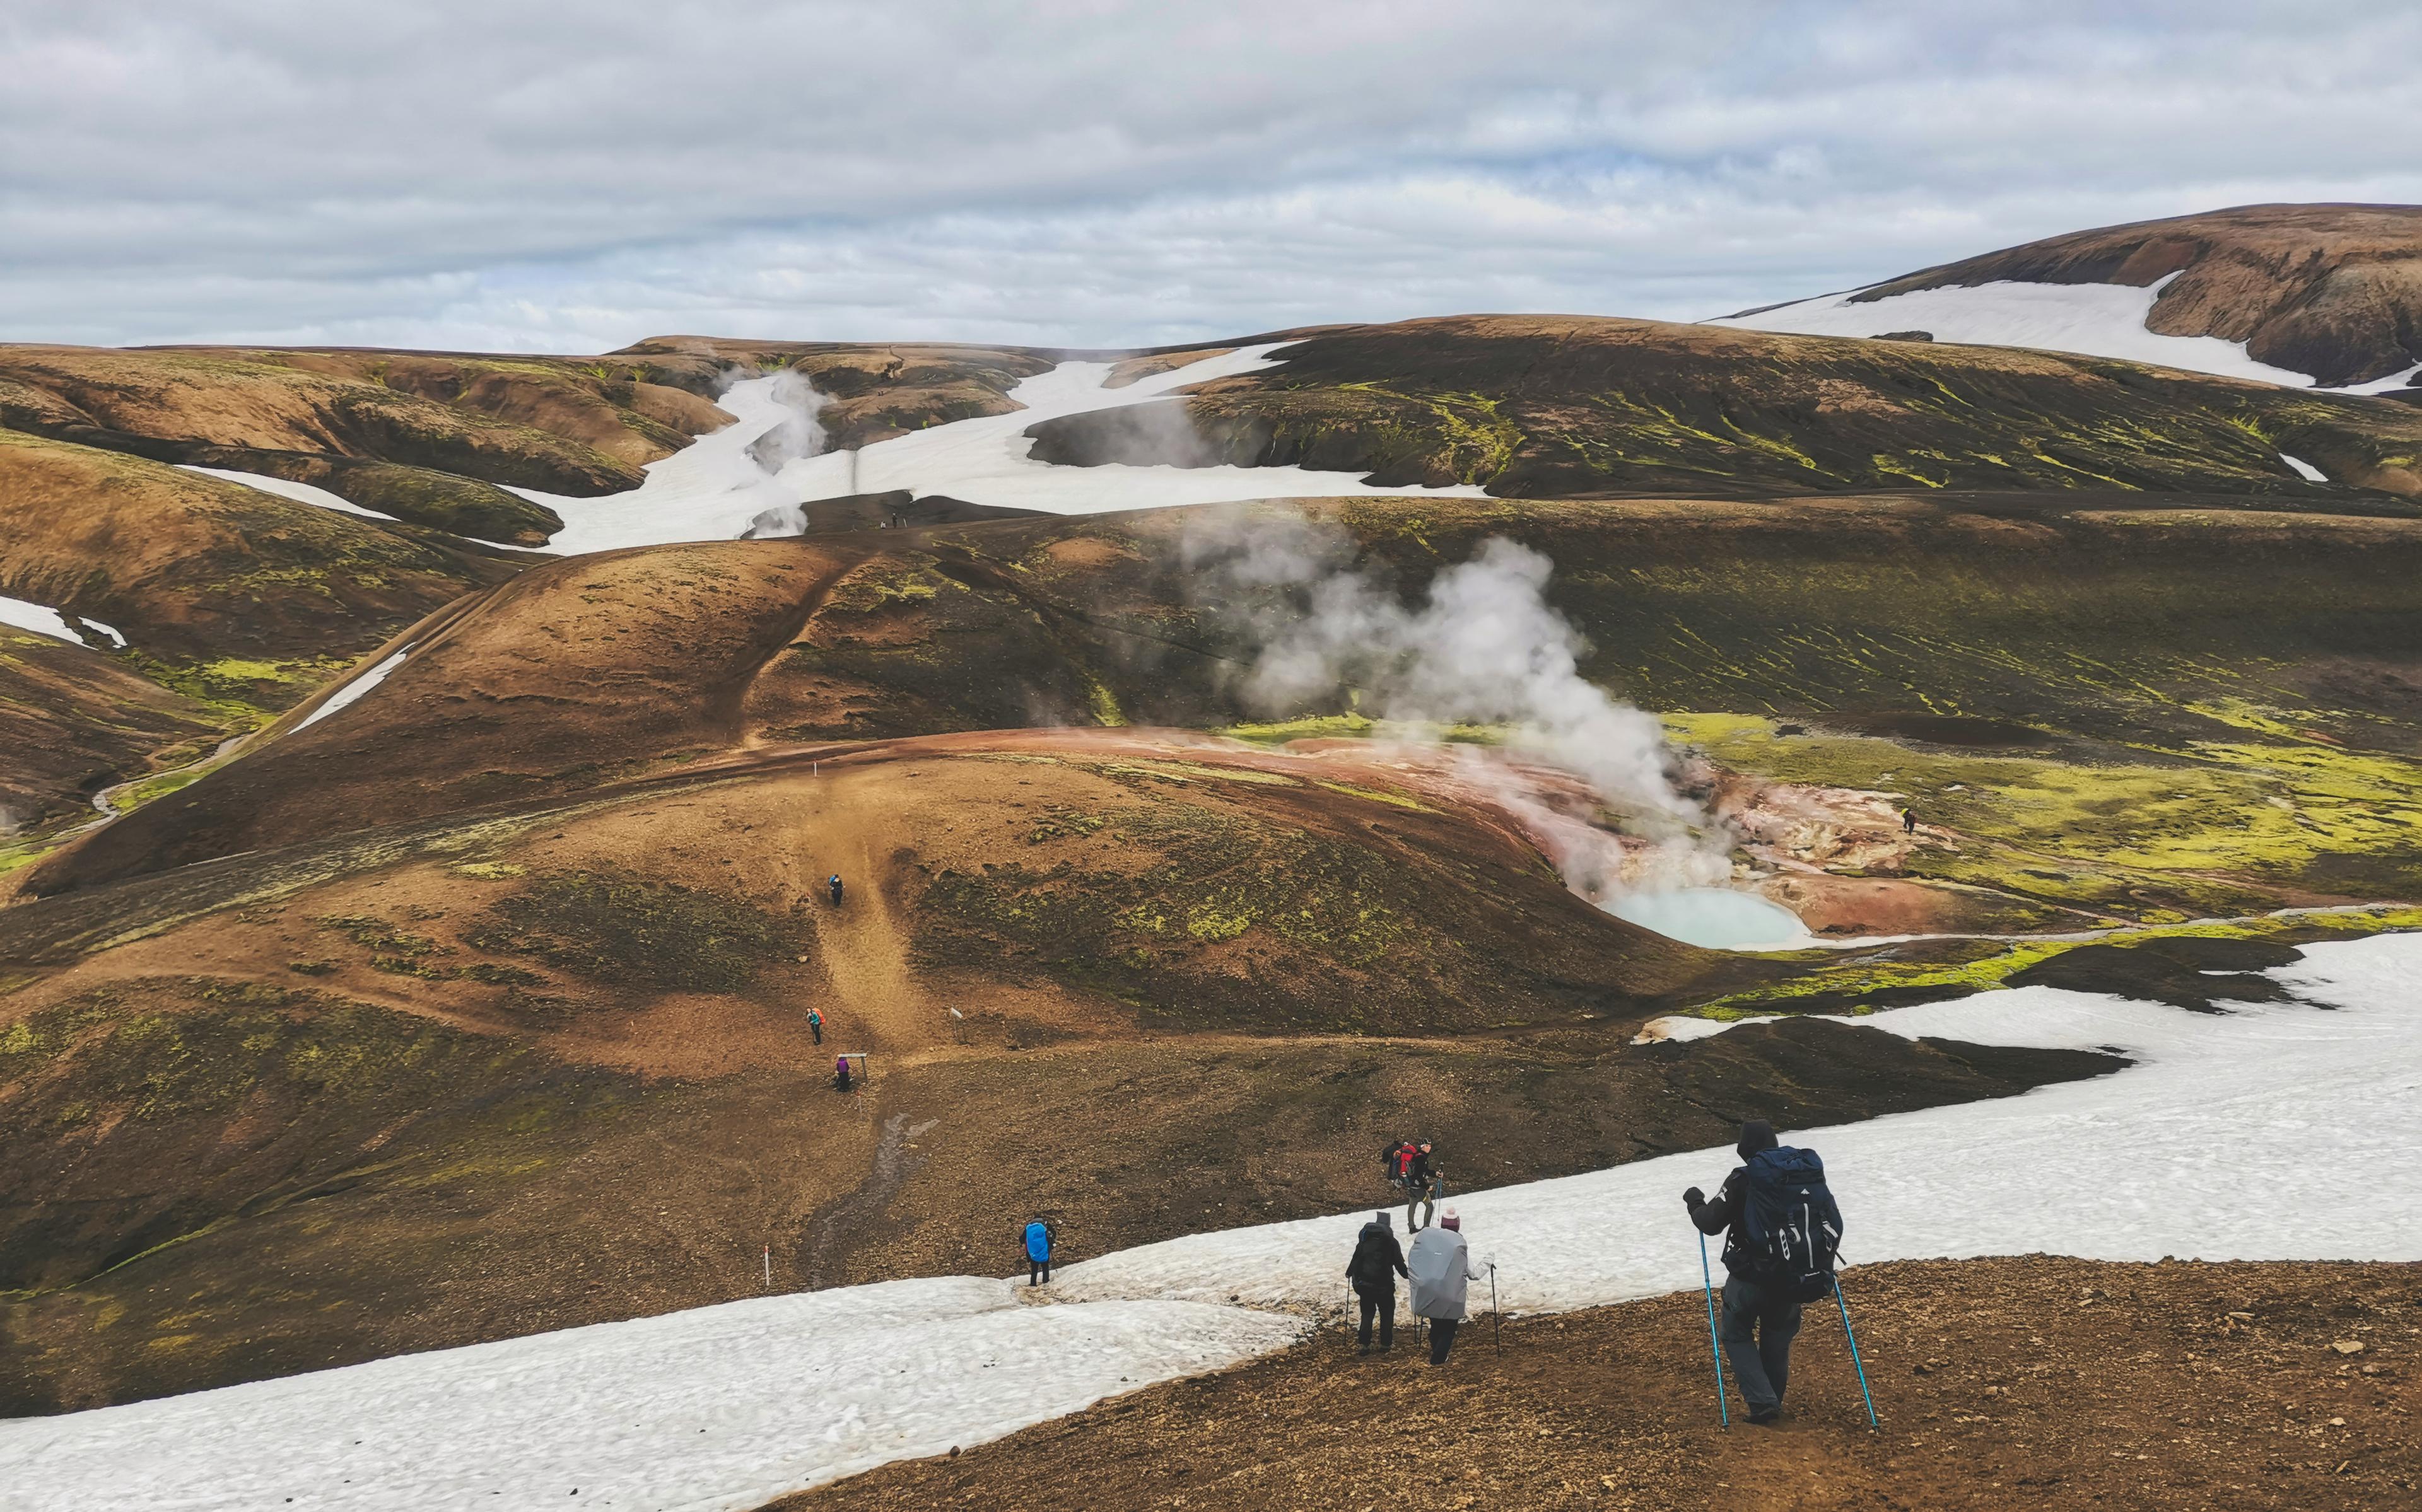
[[1908, 822], [816, 1025], [832, 885], [1421, 1186], [1038, 1253], [1438, 1266], [1377, 1264], [841, 1074], [1781, 1230]]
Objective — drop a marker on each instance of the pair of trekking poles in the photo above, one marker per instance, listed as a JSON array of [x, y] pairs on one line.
[[1715, 1344]]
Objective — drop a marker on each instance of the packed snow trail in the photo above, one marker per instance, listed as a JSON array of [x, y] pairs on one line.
[[2254, 1134], [2095, 319], [711, 489], [2285, 1101], [715, 1410]]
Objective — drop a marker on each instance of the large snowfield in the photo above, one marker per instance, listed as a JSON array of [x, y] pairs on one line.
[[2097, 320], [711, 490], [2268, 1133]]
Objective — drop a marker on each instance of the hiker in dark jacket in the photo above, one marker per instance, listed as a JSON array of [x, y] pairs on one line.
[[1760, 1318], [832, 885], [1377, 1264], [1421, 1184]]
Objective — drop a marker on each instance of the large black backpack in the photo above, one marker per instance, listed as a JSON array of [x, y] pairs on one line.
[[1790, 1227]]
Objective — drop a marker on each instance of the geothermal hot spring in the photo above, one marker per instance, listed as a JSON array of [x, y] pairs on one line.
[[1717, 918]]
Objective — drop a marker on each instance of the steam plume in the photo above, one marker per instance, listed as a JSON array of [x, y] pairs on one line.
[[1481, 647], [797, 434]]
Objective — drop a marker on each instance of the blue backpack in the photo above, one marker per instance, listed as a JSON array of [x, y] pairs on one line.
[[1038, 1242], [1789, 1224]]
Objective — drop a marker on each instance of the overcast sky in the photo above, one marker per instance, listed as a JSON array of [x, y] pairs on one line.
[[502, 174]]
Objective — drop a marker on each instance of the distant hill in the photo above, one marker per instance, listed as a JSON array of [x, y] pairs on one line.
[[2330, 292]]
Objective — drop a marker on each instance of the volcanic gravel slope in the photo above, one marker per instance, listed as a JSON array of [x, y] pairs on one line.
[[224, 593], [2027, 1382], [1555, 406], [2187, 656], [393, 1072], [72, 720]]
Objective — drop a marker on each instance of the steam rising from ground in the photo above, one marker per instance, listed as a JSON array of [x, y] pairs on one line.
[[799, 434], [1481, 647]]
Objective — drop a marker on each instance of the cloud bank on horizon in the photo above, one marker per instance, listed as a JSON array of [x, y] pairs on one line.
[[444, 173]]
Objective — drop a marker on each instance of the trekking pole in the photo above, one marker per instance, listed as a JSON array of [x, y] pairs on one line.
[[1496, 1314], [1708, 1277], [1861, 1369]]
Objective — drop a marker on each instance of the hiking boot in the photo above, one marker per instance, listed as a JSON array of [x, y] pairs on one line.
[[1765, 1416]]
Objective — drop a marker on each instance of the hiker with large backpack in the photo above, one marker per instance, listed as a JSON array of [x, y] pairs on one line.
[[1038, 1253], [1438, 1268], [1377, 1261], [1781, 1230]]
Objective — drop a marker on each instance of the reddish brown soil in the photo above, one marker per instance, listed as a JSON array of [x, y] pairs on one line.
[[193, 567], [393, 1070], [2026, 1382]]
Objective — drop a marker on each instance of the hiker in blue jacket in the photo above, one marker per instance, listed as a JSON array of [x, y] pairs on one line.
[[1038, 1253], [1761, 1316]]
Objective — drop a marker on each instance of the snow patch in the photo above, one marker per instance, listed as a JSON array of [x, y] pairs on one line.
[[346, 696], [715, 489], [714, 1410], [299, 492], [43, 620], [2305, 469], [2411, 378], [2095, 319]]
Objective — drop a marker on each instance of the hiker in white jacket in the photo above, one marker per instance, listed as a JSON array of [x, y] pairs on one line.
[[1441, 1263]]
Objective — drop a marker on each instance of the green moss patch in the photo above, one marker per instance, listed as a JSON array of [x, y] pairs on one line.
[[612, 926]]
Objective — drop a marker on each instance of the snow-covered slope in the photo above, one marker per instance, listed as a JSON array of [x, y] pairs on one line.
[[2254, 1134], [710, 490], [2098, 320], [2287, 1101], [43, 620], [284, 489], [719, 1407]]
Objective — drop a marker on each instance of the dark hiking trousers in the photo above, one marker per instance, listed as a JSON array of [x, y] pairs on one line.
[[1761, 1364], [1442, 1337], [1038, 1272], [1383, 1305], [817, 1030]]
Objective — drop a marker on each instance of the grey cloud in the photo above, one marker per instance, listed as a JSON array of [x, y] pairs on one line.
[[563, 178]]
